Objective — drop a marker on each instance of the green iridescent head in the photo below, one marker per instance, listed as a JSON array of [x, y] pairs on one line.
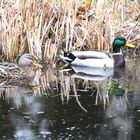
[[120, 42]]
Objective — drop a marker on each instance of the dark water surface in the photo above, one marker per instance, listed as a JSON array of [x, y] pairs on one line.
[[67, 108]]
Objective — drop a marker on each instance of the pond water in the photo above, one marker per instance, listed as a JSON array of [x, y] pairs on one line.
[[72, 104]]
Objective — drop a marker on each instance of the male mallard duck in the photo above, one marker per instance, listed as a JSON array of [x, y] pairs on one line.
[[12, 70], [99, 59]]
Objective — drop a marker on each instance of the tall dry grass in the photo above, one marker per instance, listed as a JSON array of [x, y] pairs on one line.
[[43, 27]]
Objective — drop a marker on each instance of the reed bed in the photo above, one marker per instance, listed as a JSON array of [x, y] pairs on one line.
[[43, 27]]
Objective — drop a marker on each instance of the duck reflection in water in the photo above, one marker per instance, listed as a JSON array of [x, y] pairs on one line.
[[118, 112], [88, 73], [93, 74], [118, 117]]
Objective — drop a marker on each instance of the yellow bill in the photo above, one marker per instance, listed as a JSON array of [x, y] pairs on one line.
[[129, 45], [36, 64]]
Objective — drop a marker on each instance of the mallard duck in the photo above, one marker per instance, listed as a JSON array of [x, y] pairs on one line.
[[12, 70], [99, 59]]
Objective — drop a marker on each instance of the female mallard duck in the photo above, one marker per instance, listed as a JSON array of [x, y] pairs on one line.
[[12, 70], [99, 59]]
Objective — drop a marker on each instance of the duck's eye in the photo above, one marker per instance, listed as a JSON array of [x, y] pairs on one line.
[[29, 57]]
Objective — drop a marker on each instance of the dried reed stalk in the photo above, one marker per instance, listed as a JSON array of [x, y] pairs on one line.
[[43, 27]]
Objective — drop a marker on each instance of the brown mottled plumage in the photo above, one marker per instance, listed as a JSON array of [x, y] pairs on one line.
[[20, 70]]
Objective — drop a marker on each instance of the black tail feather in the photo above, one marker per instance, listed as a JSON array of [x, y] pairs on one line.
[[69, 57]]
